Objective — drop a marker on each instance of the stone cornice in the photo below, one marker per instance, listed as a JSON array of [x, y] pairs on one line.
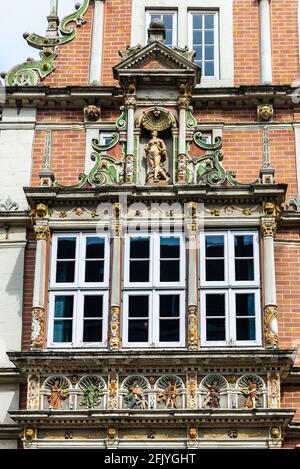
[[9, 432], [293, 377], [10, 375]]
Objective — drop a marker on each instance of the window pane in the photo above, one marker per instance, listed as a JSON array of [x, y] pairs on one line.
[[139, 248], [138, 331], [63, 307], [209, 53], [168, 21], [197, 37], [209, 21], [93, 306], [209, 37], [245, 329], [214, 246], [66, 248], [215, 305], [169, 330], [92, 331], [215, 270], [215, 329], [139, 271], [94, 248], [243, 246], [169, 38], [244, 269], [197, 21], [245, 304], [65, 271], [170, 247], [62, 331], [94, 271], [198, 51], [209, 69], [138, 306], [169, 306], [169, 271]]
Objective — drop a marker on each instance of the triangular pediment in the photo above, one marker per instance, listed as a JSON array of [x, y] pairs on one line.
[[156, 59]]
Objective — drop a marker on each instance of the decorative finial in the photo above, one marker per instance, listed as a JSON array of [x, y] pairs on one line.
[[156, 31]]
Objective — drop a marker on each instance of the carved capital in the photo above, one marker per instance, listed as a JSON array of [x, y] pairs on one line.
[[130, 102], [270, 326], [268, 227], [183, 103], [114, 339], [192, 327], [38, 328], [42, 232]]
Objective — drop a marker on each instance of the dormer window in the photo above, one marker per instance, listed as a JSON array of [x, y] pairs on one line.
[[169, 19]]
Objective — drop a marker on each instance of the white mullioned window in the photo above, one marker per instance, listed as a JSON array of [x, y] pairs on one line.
[[154, 290], [78, 290], [230, 288], [169, 19], [203, 38]]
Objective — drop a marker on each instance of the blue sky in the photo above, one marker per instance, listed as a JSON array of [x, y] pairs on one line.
[[19, 16]]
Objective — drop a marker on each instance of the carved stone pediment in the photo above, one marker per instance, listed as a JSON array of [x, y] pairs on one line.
[[157, 62]]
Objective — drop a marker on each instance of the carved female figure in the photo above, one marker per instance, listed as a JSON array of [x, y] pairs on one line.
[[58, 393], [252, 395], [136, 398], [156, 153], [212, 398]]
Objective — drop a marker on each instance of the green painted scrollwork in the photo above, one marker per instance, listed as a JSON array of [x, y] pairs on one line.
[[208, 169], [29, 73], [121, 122], [114, 141], [190, 120], [207, 146]]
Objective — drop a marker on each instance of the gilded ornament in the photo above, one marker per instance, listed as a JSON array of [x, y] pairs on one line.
[[247, 212], [215, 212], [233, 434], [270, 317], [275, 433], [41, 210], [63, 214], [192, 433], [192, 327], [232, 379], [42, 232], [29, 434], [191, 388], [92, 113], [157, 119], [112, 433], [268, 228], [113, 392], [114, 340], [38, 328], [265, 112], [33, 392], [274, 391]]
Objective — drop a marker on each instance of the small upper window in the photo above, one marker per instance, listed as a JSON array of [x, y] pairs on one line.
[[169, 19], [105, 138], [203, 39]]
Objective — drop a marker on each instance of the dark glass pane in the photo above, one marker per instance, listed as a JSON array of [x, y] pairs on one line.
[[62, 331], [243, 246], [215, 329], [139, 248], [94, 248], [214, 246], [93, 306], [214, 270], [245, 329], [244, 269], [197, 37], [170, 247], [169, 306], [209, 22], [66, 248], [169, 330], [215, 305], [197, 21], [139, 271], [65, 271], [169, 37], [209, 53], [169, 271], [138, 331], [138, 306], [198, 51], [209, 37], [63, 306], [168, 21], [245, 304], [209, 69], [92, 331], [94, 271]]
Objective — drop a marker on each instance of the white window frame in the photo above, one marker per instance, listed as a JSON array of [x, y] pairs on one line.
[[154, 318], [232, 307], [203, 281], [80, 263], [159, 12], [216, 75], [77, 320], [210, 343], [103, 136]]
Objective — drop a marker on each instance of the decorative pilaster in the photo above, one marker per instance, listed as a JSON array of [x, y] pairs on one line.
[[42, 231], [46, 175], [267, 172], [97, 42], [274, 400], [113, 387], [268, 231], [192, 278], [33, 392], [191, 390], [265, 42], [130, 105], [115, 301], [183, 106]]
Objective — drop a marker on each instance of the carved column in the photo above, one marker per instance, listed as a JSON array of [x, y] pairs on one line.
[[42, 232], [97, 42], [192, 278], [183, 104], [265, 42], [130, 104], [116, 278], [268, 231]]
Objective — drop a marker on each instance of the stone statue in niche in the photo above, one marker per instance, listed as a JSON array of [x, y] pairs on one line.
[[136, 398], [212, 398], [156, 154], [58, 394], [252, 395], [170, 395]]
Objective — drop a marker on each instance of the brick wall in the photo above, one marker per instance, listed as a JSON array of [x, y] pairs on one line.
[[290, 398], [28, 289]]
